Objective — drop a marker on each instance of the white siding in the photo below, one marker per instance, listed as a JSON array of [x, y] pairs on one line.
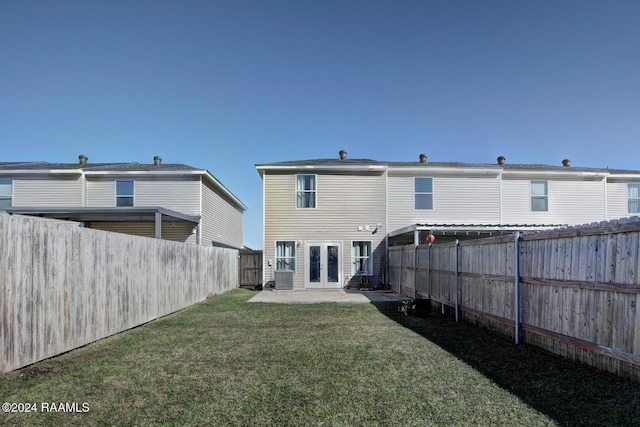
[[222, 222], [464, 199], [49, 192], [178, 194], [344, 202], [571, 202], [617, 206]]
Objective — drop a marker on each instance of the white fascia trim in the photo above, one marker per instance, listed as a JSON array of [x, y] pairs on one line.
[[134, 173], [616, 176], [556, 174], [363, 168], [41, 172], [426, 170]]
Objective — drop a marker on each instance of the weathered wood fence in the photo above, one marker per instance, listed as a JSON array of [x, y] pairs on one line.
[[572, 291], [250, 268], [63, 286]]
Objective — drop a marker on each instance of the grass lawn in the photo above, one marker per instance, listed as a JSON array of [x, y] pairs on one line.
[[226, 362]]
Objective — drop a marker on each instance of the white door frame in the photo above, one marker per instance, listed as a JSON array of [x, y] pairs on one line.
[[324, 282]]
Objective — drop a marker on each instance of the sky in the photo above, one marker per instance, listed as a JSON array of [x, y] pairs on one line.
[[223, 85]]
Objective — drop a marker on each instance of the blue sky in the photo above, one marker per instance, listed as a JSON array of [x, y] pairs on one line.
[[223, 85]]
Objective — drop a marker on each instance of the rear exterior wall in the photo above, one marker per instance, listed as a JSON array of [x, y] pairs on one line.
[[344, 203]]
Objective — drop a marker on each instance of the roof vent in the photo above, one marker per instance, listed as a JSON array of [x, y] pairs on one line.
[[566, 163], [157, 160], [83, 159], [423, 158], [343, 155], [501, 160]]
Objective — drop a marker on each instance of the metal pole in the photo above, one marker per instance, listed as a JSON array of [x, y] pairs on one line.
[[429, 271], [457, 284], [415, 273], [517, 285], [416, 242]]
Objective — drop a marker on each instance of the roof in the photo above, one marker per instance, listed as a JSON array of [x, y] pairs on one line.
[[130, 166], [359, 164], [42, 167]]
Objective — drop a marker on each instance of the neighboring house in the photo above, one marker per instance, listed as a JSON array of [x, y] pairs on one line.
[[169, 201], [328, 220]]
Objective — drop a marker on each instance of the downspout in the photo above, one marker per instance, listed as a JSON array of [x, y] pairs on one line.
[[457, 282], [606, 199], [199, 231], [500, 195], [517, 286], [264, 248]]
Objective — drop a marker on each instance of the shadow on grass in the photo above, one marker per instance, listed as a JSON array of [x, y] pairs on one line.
[[572, 393]]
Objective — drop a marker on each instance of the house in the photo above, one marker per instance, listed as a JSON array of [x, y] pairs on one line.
[[330, 221], [169, 201]]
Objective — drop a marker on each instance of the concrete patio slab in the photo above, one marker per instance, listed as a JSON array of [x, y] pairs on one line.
[[315, 296]]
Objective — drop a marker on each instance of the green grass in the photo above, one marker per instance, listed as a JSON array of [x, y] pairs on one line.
[[226, 362]]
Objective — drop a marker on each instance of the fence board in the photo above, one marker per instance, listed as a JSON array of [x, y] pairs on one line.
[[579, 285], [65, 286]]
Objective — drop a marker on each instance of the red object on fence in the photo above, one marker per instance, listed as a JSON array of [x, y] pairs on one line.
[[431, 238]]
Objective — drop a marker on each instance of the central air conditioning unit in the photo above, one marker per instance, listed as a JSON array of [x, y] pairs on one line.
[[284, 280]]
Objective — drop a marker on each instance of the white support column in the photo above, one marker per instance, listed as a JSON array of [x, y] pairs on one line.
[[158, 223]]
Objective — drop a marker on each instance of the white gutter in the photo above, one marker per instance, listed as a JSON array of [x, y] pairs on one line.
[[444, 169], [556, 174], [41, 172], [346, 168]]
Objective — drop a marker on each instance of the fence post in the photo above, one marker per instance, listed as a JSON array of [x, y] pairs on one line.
[[429, 271], [457, 280], [415, 272], [517, 286]]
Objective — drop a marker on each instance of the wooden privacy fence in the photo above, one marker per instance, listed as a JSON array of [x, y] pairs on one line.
[[63, 286], [572, 291], [250, 268]]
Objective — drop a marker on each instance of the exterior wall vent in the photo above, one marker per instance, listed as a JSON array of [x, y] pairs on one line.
[[566, 163], [343, 155], [501, 160], [424, 159], [284, 280], [83, 159]]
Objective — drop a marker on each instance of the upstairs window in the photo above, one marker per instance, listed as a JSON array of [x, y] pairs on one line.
[[305, 191], [539, 196], [423, 188], [633, 198], [124, 193], [286, 256], [5, 194], [361, 259]]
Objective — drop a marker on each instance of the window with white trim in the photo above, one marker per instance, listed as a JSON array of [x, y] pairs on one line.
[[286, 255], [423, 188], [124, 193], [6, 193], [633, 198], [305, 191], [539, 196], [361, 259]]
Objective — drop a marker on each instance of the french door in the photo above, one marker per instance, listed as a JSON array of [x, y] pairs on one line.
[[323, 267]]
